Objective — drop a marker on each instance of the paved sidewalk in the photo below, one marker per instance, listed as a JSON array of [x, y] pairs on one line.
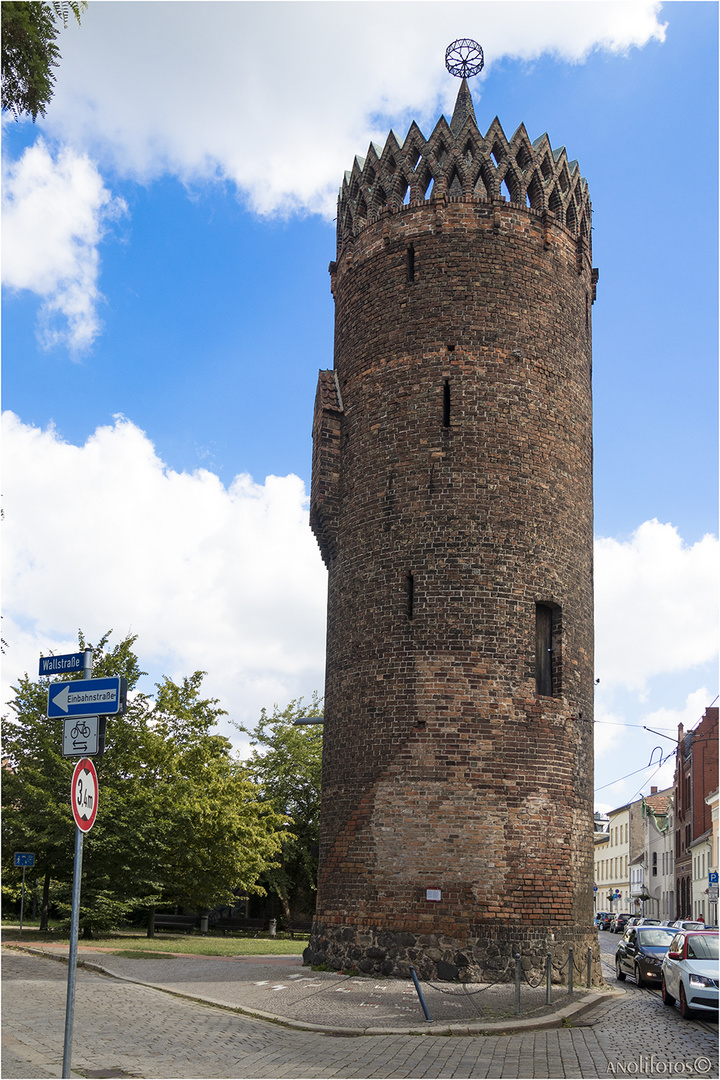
[[279, 988], [127, 1029]]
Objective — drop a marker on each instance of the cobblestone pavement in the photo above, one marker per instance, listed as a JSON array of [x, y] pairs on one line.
[[122, 1029]]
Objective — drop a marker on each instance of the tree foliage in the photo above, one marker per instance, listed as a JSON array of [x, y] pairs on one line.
[[180, 820], [286, 763], [30, 52]]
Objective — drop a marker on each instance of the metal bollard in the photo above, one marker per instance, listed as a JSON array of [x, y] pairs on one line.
[[571, 968], [548, 977], [589, 968], [272, 927], [517, 984], [420, 994]]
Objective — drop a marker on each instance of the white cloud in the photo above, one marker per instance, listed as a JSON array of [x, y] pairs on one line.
[[55, 212], [275, 98], [105, 535], [656, 605], [279, 97]]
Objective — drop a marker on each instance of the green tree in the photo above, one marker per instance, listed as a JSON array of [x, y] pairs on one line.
[[286, 763], [36, 777], [30, 52], [179, 819]]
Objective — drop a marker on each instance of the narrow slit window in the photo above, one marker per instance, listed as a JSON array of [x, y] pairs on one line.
[[446, 403], [410, 596], [410, 262], [547, 650]]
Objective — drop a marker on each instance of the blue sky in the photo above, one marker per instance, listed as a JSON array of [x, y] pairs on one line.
[[166, 308]]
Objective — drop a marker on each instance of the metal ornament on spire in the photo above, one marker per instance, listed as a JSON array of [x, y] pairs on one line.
[[464, 58]]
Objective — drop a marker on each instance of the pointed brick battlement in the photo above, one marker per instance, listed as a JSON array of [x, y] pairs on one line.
[[463, 165]]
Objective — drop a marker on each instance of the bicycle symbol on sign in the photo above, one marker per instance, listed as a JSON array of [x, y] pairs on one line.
[[80, 731]]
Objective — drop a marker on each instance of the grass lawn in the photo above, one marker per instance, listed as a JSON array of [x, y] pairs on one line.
[[136, 941]]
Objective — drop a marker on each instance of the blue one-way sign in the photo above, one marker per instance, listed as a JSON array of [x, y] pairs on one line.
[[89, 697]]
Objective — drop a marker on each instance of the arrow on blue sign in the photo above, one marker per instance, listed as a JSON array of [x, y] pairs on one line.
[[89, 697]]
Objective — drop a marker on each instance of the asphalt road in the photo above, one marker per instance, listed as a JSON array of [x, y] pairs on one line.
[[126, 1030]]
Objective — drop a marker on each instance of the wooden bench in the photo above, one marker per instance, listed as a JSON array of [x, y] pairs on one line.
[[238, 924], [175, 922], [299, 927]]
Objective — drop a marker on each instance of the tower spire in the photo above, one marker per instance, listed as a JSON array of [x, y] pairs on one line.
[[463, 108]]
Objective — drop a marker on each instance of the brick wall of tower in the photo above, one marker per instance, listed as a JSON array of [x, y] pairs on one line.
[[460, 482]]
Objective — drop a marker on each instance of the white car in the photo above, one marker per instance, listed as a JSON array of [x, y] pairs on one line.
[[690, 972]]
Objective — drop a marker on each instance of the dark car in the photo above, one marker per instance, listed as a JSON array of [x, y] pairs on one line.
[[620, 922], [603, 920], [641, 953]]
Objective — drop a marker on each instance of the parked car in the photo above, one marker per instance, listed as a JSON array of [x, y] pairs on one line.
[[690, 972], [641, 951], [620, 921], [688, 924], [632, 921], [603, 920], [648, 922]]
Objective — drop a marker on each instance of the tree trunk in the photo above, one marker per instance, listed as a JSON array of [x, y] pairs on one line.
[[151, 921], [44, 909]]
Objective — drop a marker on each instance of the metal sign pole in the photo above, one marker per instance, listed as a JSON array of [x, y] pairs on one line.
[[72, 958], [22, 901], [74, 922]]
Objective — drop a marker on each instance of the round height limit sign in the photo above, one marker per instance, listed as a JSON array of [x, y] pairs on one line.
[[84, 794]]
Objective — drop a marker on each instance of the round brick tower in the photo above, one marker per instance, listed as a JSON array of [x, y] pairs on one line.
[[452, 502]]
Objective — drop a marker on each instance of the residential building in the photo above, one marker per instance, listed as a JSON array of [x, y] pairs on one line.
[[700, 856], [652, 869], [696, 776], [601, 838], [713, 801], [614, 879]]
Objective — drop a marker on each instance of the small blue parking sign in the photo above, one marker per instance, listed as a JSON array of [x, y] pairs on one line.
[[24, 858]]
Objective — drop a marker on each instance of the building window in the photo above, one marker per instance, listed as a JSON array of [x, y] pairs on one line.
[[410, 262], [548, 649], [654, 864]]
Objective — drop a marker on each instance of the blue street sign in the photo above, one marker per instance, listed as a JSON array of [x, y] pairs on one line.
[[24, 858], [61, 665], [87, 697], [713, 877]]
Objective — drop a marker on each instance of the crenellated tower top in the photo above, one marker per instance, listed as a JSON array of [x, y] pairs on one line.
[[457, 162]]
